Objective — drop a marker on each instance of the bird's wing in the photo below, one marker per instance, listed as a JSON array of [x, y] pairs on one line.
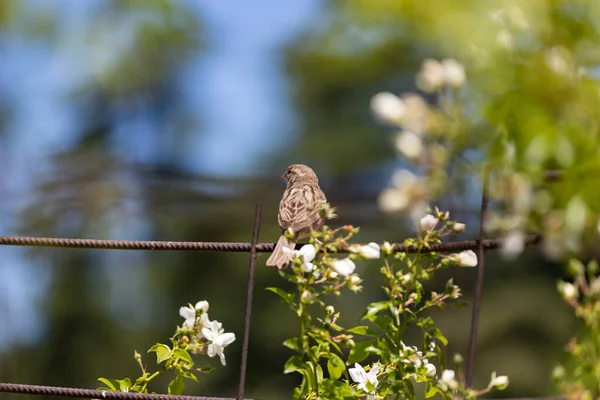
[[299, 207]]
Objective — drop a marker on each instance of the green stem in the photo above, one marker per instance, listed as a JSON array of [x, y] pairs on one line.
[[154, 375]]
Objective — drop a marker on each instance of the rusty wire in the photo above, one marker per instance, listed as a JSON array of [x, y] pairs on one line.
[[249, 293], [95, 394], [478, 287], [240, 247]]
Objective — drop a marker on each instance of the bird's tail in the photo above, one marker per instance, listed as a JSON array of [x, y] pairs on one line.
[[279, 258]]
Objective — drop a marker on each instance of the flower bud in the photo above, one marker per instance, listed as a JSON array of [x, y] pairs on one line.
[[466, 258], [371, 251], [498, 382], [457, 359], [387, 248], [568, 291], [558, 372], [329, 310], [305, 296], [576, 268], [458, 227]]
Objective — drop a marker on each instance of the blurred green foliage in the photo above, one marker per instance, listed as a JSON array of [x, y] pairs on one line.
[[526, 92]]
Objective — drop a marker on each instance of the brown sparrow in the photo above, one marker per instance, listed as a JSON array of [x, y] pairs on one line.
[[299, 210]]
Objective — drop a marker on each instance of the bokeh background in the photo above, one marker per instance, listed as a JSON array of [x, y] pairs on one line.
[[169, 120]]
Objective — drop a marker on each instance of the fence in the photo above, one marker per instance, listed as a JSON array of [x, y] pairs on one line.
[[481, 245]]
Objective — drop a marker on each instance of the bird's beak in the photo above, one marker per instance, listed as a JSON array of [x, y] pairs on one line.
[[284, 176]]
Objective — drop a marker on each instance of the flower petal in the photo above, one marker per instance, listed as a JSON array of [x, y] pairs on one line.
[[309, 252], [187, 312]]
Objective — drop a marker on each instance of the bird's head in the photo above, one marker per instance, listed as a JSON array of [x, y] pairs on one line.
[[299, 173]]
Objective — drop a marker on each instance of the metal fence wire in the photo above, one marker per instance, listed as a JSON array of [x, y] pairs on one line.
[[481, 245]]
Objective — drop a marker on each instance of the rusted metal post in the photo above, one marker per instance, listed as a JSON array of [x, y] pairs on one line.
[[478, 286], [249, 293]]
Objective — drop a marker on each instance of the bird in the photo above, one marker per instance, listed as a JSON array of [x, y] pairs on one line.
[[299, 210]]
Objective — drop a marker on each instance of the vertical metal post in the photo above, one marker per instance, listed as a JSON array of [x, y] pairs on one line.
[[249, 293], [478, 286]]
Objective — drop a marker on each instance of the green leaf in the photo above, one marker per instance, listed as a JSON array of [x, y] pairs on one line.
[[163, 352], [335, 366], [111, 384], [294, 363], [124, 384], [189, 375], [207, 368], [294, 344], [358, 352], [363, 330], [438, 334], [309, 378], [375, 308], [374, 350], [288, 298], [177, 385], [138, 389], [384, 322], [319, 373], [183, 355], [430, 391]]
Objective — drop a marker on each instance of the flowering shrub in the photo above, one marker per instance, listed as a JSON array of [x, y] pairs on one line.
[[324, 349], [522, 134], [197, 335], [581, 378]]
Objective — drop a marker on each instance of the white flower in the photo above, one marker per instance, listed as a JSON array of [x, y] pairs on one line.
[[392, 200], [189, 313], [409, 144], [370, 251], [307, 253], [417, 115], [388, 107], [407, 192], [404, 279], [466, 258], [568, 291], [363, 378], [218, 339], [513, 245], [454, 72], [344, 267], [499, 382], [430, 369], [428, 223], [431, 76], [447, 380]]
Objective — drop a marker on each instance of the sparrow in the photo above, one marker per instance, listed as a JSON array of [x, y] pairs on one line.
[[299, 210]]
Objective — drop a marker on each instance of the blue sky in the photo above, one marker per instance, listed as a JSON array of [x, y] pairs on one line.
[[237, 85]]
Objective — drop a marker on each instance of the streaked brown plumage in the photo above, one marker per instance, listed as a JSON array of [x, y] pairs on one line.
[[299, 210]]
